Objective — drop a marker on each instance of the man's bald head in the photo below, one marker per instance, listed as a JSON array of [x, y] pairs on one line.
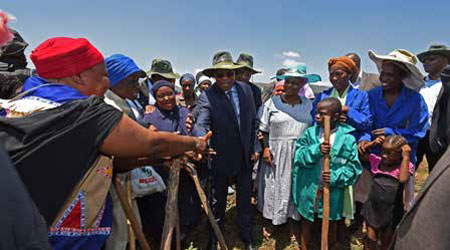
[[355, 58]]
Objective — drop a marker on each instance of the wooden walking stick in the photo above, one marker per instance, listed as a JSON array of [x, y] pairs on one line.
[[170, 219], [131, 236], [326, 188], [193, 173], [130, 215]]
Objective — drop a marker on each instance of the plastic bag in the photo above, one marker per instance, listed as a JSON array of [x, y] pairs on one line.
[[145, 181]]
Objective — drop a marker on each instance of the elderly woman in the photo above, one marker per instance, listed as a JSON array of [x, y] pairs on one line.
[[356, 112], [169, 117], [284, 118], [355, 103], [396, 107], [123, 75], [187, 98], [61, 120]]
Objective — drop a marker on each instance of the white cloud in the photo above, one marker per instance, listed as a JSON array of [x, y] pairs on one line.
[[291, 54], [290, 63]]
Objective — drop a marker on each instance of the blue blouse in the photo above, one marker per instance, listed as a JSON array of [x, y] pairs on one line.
[[407, 117]]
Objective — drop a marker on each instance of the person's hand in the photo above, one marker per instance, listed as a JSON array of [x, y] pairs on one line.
[[149, 109], [379, 140], [342, 117], [201, 144], [326, 177], [259, 136], [189, 122], [267, 157], [406, 150], [344, 109], [378, 132], [362, 147], [254, 157], [325, 148]]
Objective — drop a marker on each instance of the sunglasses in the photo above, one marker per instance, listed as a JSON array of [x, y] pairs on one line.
[[224, 74]]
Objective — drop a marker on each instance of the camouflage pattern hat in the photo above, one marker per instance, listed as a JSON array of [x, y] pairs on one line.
[[163, 68], [246, 61], [221, 60]]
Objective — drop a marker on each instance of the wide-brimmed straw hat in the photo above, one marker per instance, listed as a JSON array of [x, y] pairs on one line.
[[414, 80], [300, 72], [246, 61], [163, 68], [437, 49], [221, 60]]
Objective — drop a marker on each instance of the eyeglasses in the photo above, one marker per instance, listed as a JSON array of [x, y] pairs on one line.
[[224, 74]]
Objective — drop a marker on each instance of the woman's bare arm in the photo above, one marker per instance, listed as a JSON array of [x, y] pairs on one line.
[[130, 140]]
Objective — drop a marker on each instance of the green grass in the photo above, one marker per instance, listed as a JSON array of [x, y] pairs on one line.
[[279, 238]]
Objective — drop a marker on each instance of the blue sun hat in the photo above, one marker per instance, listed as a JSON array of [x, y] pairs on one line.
[[299, 71]]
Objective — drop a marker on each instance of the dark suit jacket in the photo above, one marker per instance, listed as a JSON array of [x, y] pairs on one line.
[[256, 95], [232, 145], [426, 225], [369, 81], [440, 129]]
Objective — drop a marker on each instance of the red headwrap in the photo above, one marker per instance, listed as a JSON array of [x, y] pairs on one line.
[[344, 61], [61, 57]]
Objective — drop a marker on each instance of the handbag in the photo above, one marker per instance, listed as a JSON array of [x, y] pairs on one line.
[[146, 181]]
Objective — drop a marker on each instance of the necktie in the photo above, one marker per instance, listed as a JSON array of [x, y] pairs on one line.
[[230, 96]]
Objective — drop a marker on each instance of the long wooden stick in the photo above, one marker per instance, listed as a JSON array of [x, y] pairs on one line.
[[131, 236], [130, 215], [201, 193], [170, 219], [326, 189]]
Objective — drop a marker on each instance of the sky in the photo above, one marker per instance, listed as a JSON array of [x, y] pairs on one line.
[[277, 33]]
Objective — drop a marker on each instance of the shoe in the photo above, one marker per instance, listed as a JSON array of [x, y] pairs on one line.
[[212, 244]]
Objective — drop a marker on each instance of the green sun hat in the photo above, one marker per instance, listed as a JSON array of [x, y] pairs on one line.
[[299, 71], [221, 60], [436, 49], [246, 61], [163, 68]]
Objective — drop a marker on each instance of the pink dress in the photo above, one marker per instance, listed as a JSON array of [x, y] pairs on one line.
[[375, 161]]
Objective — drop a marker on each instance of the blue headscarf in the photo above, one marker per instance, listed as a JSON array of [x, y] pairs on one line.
[[187, 77], [161, 83], [119, 67]]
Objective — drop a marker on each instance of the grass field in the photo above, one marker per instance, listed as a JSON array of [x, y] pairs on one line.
[[279, 238]]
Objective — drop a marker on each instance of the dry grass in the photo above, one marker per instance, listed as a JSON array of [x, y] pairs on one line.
[[279, 238]]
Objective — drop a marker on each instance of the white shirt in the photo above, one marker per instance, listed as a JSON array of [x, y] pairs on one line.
[[358, 80], [430, 93]]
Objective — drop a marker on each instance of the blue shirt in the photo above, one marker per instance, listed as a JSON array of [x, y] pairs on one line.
[[428, 82], [407, 117], [235, 96], [358, 114]]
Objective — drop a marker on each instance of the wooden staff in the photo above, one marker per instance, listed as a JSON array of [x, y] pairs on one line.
[[193, 173], [130, 215], [326, 188], [131, 236], [170, 219]]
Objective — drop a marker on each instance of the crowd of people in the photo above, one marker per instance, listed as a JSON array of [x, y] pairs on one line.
[[79, 120]]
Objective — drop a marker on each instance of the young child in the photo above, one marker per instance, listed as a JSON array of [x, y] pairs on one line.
[[384, 207], [307, 174]]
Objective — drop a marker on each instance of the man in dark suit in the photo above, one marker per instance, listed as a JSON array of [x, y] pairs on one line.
[[363, 80], [425, 225], [228, 110]]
